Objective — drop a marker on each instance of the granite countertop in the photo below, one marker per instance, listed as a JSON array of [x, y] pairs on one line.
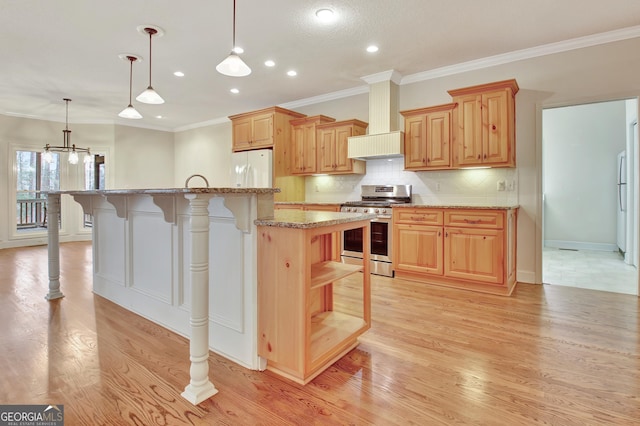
[[322, 203], [455, 206], [300, 219], [168, 191]]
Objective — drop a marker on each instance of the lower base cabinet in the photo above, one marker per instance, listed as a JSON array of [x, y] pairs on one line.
[[309, 314], [473, 249]]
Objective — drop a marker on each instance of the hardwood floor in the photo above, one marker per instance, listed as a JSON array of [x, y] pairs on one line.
[[546, 355]]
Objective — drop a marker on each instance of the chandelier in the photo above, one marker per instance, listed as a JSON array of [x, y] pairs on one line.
[[66, 146]]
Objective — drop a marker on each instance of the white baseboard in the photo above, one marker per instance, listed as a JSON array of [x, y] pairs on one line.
[[579, 245]]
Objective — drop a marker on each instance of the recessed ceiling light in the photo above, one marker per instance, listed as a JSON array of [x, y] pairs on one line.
[[372, 49], [239, 50], [325, 15], [158, 116], [292, 73], [178, 74], [270, 63], [234, 91]]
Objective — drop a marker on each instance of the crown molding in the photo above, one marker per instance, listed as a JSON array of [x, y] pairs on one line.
[[519, 55]]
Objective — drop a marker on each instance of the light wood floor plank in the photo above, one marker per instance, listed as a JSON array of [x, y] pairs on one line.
[[547, 355]]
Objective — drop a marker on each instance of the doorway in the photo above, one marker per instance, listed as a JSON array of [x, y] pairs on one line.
[[581, 196]]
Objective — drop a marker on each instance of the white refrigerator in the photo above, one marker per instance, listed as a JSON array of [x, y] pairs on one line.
[[622, 201], [252, 169]]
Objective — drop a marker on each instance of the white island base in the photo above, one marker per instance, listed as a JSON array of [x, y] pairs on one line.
[[183, 258]]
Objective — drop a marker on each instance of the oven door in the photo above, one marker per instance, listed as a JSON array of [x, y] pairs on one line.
[[380, 241]]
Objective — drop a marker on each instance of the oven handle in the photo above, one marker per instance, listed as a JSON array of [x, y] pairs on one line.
[[382, 218]]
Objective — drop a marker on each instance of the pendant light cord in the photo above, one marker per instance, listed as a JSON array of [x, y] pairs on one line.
[[150, 31], [130, 77], [234, 26]]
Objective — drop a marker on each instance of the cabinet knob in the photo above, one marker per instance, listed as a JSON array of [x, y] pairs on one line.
[[493, 127]]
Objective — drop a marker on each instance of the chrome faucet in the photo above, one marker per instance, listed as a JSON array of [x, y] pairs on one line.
[[186, 183]]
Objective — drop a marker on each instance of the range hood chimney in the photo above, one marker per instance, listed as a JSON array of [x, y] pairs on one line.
[[384, 140]]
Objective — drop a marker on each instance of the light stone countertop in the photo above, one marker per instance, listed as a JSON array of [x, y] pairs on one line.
[[168, 191], [300, 219], [455, 206]]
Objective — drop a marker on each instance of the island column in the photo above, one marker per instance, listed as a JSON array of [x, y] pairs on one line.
[[200, 387], [53, 245]]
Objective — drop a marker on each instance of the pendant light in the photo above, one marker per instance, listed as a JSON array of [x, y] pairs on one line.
[[233, 66], [66, 146], [130, 111], [150, 96]]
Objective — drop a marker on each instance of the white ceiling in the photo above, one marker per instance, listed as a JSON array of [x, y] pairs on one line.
[[69, 48]]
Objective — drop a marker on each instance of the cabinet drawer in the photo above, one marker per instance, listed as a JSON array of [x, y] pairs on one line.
[[419, 216], [474, 219]]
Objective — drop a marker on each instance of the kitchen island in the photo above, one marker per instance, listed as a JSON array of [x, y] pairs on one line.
[[311, 306], [185, 258]]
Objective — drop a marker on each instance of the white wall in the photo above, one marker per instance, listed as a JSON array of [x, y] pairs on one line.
[[579, 150]]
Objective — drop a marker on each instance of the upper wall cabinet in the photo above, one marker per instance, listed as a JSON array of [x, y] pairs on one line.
[[427, 137], [303, 143], [261, 129], [332, 146], [484, 125]]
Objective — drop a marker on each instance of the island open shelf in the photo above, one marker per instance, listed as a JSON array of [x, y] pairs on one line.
[[311, 308]]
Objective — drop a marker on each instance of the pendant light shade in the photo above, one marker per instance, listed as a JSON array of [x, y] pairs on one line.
[[233, 66], [150, 96], [130, 111]]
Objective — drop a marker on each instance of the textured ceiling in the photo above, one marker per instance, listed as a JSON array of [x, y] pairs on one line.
[[69, 48]]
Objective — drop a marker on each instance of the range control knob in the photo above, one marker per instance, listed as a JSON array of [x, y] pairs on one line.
[[377, 211], [383, 211], [365, 211]]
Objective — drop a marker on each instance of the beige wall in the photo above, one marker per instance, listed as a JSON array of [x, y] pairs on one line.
[[205, 151], [143, 158]]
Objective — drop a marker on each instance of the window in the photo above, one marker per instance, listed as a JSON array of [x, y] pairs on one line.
[[33, 177]]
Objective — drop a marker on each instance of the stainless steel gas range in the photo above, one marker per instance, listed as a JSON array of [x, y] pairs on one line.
[[377, 199]]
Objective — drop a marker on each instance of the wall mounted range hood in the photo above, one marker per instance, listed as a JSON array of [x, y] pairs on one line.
[[384, 140]]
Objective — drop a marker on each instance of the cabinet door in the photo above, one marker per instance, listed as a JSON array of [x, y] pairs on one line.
[[325, 150], [242, 134], [262, 131], [309, 150], [474, 254], [298, 149], [415, 155], [496, 129], [341, 151], [438, 132], [419, 249], [468, 142]]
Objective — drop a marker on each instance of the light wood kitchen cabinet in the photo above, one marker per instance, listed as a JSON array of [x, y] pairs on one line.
[[427, 137], [465, 248], [304, 323], [270, 128], [417, 241], [484, 125], [303, 143], [332, 147]]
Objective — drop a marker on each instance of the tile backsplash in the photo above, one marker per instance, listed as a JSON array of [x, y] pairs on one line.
[[491, 187]]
